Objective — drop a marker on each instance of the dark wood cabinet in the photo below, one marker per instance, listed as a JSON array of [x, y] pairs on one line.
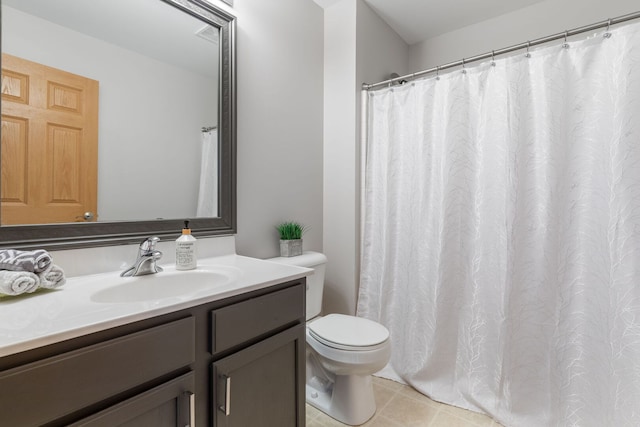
[[166, 370], [259, 367], [259, 386]]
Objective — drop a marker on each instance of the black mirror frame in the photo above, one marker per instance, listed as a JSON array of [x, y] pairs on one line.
[[78, 235]]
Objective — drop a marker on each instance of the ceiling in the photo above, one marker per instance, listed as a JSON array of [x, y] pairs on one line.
[[149, 27], [418, 20]]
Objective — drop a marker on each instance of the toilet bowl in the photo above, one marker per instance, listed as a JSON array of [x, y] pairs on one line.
[[342, 352]]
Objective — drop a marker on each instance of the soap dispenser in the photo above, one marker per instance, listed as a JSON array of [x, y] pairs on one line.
[[186, 250]]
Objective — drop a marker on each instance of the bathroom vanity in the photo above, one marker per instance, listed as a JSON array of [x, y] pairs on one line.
[[232, 357]]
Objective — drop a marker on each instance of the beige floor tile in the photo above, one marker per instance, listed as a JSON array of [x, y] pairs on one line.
[[447, 419], [381, 421], [474, 417], [388, 383], [409, 412], [413, 393], [325, 420], [312, 412], [382, 395], [313, 423]]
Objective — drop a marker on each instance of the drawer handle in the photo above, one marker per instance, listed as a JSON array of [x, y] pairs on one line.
[[226, 408]]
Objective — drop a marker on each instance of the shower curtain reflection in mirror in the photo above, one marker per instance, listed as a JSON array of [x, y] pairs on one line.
[[208, 190], [501, 234]]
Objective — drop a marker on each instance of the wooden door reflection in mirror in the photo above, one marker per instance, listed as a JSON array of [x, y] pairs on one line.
[[49, 144]]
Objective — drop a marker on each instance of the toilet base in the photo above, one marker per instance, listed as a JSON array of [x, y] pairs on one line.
[[349, 400]]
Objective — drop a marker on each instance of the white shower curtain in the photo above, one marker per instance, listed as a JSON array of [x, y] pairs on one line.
[[208, 191], [501, 234]]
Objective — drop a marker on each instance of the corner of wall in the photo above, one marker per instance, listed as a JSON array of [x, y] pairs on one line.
[[359, 47]]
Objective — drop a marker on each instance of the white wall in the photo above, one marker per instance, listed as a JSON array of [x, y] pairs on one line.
[[132, 139], [359, 48], [280, 57], [380, 50], [340, 135], [532, 22]]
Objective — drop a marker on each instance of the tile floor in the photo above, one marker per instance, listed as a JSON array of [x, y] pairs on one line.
[[402, 406]]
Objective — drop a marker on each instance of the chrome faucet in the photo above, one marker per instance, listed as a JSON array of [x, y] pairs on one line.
[[147, 258]]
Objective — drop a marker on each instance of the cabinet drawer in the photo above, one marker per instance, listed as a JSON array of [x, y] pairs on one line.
[[43, 391], [243, 321]]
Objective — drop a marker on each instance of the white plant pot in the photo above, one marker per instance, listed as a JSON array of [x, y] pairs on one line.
[[290, 248]]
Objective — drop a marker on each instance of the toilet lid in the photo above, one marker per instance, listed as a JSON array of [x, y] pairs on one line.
[[349, 331]]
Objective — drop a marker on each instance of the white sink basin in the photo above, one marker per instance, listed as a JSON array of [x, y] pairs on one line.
[[169, 283]]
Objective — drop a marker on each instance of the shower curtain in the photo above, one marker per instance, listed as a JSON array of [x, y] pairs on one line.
[[208, 191], [501, 233]]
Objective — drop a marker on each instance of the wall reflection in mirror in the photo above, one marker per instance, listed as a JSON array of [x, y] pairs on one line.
[[109, 112]]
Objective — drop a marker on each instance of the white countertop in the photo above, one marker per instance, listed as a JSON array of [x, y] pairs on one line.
[[45, 317]]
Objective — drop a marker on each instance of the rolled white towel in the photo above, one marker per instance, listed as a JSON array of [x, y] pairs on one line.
[[33, 261], [52, 277], [18, 282]]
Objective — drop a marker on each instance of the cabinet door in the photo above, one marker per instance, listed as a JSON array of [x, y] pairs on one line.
[[262, 385], [168, 405]]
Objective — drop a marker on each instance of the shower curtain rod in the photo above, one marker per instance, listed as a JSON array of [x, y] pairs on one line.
[[494, 53]]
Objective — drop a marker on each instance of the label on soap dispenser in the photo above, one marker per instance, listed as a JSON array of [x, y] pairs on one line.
[[186, 252]]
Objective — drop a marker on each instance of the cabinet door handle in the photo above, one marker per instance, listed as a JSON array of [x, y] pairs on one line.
[[192, 410], [226, 408], [186, 416]]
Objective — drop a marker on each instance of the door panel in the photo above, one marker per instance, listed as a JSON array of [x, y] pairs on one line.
[[14, 168], [49, 144]]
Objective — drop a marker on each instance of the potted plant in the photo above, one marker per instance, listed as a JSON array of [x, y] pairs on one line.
[[290, 238]]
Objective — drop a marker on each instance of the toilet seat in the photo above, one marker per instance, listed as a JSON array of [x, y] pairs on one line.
[[349, 333]]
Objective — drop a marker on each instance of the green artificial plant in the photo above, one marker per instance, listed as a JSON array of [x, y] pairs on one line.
[[290, 230]]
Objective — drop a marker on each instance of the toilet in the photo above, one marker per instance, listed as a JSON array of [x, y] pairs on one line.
[[342, 352]]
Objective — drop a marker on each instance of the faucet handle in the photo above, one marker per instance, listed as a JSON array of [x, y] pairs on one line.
[[148, 244]]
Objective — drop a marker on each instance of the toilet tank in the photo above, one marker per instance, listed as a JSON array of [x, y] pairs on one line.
[[315, 281]]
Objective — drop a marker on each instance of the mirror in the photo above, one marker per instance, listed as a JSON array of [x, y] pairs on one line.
[[164, 71]]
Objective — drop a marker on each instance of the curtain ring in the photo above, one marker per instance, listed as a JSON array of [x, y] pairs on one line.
[[528, 55], [493, 58], [438, 72], [607, 34], [565, 45], [464, 71]]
